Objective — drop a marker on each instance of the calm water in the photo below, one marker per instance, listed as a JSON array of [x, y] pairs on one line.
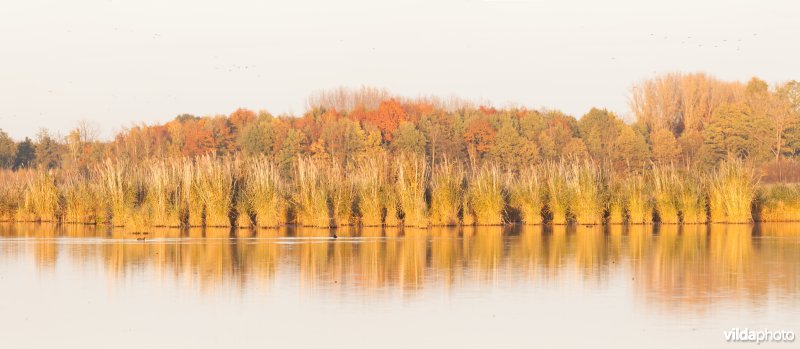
[[517, 287]]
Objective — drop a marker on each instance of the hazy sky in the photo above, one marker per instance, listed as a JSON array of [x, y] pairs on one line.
[[120, 62]]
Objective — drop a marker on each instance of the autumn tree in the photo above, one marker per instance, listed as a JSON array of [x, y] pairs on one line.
[[48, 150], [735, 131], [785, 118], [679, 102], [665, 147], [629, 150], [344, 139], [387, 118], [479, 137], [8, 150], [561, 130], [258, 138], [512, 151], [599, 129], [408, 139], [444, 135], [26, 154]]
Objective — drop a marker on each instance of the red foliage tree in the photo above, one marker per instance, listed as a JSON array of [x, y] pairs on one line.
[[387, 118]]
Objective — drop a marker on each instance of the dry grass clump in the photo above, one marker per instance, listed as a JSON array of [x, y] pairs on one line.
[[666, 185], [310, 195], [526, 195], [485, 191], [586, 182], [731, 190], [691, 198], [411, 181], [779, 203], [119, 191], [164, 199], [617, 202], [215, 188], [559, 194], [264, 193], [41, 199], [638, 200], [373, 190], [12, 192], [342, 194], [447, 182], [80, 198], [192, 200]]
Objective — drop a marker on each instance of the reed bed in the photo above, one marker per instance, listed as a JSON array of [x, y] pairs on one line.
[[264, 192], [691, 198], [41, 199], [342, 195], [164, 193], [310, 195], [485, 191], [215, 189], [779, 203], [638, 200], [559, 194], [370, 188], [526, 195], [378, 190], [447, 182], [731, 190], [586, 182], [617, 202], [80, 198], [12, 192], [119, 191], [410, 186], [665, 187]]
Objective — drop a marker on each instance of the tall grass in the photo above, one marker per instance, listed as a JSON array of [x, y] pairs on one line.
[[588, 193], [691, 198], [164, 193], [639, 201], [119, 191], [665, 192], [264, 191], [485, 191], [340, 187], [412, 179], [731, 190], [779, 203], [370, 187], [211, 191], [559, 194], [526, 195], [617, 202], [12, 192], [214, 187], [40, 201], [447, 181], [375, 185], [81, 199], [310, 196], [191, 190]]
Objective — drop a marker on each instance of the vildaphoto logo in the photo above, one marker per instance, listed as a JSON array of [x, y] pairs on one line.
[[759, 336]]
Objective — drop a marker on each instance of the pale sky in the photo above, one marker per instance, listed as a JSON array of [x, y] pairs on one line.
[[119, 62]]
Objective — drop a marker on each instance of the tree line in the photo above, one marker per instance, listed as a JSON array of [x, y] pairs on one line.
[[687, 119]]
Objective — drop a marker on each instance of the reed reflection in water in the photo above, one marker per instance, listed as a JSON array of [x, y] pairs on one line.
[[666, 269]]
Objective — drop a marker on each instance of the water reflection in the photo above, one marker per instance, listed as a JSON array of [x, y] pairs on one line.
[[678, 267]]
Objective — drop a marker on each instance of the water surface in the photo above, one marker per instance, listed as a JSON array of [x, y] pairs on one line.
[[487, 287]]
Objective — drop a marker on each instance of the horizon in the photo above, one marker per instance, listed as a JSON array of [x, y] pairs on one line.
[[119, 64]]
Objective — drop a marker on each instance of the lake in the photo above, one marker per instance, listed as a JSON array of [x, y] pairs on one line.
[[474, 287]]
